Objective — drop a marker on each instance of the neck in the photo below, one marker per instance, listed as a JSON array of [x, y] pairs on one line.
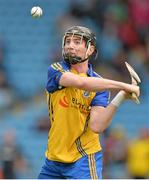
[[81, 67]]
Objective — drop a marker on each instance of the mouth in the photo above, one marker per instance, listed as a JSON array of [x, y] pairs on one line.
[[71, 54]]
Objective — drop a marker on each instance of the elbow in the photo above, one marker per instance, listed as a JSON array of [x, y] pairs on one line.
[[96, 128], [81, 84]]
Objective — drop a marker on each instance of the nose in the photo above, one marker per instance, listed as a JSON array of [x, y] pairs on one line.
[[71, 44]]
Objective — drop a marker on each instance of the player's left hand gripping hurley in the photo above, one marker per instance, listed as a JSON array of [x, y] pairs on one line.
[[135, 80]]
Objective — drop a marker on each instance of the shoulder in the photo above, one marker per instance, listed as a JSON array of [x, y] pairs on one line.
[[102, 95], [58, 66]]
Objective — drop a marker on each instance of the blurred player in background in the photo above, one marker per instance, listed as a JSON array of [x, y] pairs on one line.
[[79, 109]]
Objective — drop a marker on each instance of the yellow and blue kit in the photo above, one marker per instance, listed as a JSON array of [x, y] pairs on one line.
[[70, 137]]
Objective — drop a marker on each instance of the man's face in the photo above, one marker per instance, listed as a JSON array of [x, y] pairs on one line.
[[75, 46]]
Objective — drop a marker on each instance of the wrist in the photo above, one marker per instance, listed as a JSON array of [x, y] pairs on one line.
[[118, 99]]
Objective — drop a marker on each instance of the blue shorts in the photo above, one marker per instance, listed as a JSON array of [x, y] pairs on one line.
[[87, 167]]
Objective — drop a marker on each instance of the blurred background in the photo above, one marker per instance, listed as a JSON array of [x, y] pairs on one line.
[[28, 46]]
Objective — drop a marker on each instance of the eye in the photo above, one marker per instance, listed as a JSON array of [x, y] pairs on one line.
[[77, 42], [67, 41]]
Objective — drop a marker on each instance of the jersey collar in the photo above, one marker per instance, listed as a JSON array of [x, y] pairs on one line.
[[89, 71]]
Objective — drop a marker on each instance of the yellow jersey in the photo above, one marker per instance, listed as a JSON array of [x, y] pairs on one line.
[[138, 158], [70, 136]]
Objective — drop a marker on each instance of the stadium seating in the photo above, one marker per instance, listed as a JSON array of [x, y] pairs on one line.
[[28, 42]]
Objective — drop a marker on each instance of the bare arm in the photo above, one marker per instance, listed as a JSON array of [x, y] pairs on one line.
[[100, 117], [69, 79]]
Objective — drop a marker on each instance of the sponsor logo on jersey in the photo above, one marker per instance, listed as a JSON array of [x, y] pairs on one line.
[[64, 102], [74, 103], [82, 107]]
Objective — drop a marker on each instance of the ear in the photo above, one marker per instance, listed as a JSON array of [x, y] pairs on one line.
[[91, 50]]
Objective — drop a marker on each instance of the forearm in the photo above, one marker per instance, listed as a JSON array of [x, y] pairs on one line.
[[100, 122], [102, 117], [107, 117], [99, 84], [92, 83]]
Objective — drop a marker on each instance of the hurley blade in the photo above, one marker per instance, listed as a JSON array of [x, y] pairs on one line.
[[133, 73], [135, 80]]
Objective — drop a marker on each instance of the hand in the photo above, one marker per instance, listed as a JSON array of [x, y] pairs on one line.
[[135, 79], [135, 89], [132, 95], [123, 95]]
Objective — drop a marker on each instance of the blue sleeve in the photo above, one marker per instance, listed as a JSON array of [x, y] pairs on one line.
[[101, 99], [53, 80]]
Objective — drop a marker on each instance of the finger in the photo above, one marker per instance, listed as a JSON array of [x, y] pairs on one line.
[[133, 81], [135, 98]]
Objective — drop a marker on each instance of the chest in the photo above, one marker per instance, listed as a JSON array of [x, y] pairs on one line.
[[74, 98]]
